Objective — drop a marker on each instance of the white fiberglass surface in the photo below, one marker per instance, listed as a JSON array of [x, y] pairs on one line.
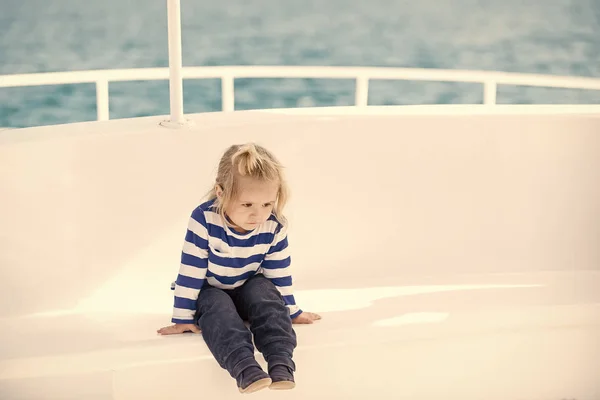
[[438, 248]]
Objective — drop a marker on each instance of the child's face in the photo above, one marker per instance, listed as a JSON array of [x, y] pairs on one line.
[[254, 204]]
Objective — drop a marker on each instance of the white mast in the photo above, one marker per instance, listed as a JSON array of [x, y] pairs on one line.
[[177, 119]]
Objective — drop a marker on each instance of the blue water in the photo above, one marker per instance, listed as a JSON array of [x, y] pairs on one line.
[[535, 36]]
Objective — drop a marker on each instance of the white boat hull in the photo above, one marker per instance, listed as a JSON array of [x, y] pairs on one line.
[[451, 254]]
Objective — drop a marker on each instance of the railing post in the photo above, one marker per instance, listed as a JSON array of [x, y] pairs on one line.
[[102, 109], [227, 93], [489, 92], [175, 75], [361, 95]]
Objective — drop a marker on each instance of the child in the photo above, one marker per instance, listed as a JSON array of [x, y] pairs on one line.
[[235, 266]]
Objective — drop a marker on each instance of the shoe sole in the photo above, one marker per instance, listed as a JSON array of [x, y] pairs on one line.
[[256, 386], [282, 385]]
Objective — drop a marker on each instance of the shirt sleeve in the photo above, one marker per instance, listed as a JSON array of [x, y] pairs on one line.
[[192, 270], [276, 268]]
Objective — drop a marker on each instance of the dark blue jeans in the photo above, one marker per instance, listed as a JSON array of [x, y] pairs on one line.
[[221, 315]]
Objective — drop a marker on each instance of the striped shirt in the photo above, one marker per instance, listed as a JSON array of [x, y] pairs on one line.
[[215, 254]]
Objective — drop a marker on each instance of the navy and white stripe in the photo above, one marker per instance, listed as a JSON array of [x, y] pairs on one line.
[[215, 254]]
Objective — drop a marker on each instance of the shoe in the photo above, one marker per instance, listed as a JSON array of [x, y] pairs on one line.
[[282, 378], [253, 379]]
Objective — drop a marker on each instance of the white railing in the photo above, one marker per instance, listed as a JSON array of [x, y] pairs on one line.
[[362, 75]]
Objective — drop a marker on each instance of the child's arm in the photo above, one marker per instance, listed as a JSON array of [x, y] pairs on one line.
[[192, 271], [276, 268]]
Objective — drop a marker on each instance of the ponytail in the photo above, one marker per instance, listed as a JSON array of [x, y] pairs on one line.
[[249, 162]]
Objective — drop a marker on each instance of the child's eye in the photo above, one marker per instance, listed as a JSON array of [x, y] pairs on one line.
[[268, 205], [247, 205]]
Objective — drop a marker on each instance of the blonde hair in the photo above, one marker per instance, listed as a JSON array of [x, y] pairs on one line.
[[248, 160]]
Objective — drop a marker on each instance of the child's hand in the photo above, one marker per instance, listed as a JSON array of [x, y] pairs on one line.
[[306, 318], [178, 328]]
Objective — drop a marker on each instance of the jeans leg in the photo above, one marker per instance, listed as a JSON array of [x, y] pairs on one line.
[[259, 301], [224, 331]]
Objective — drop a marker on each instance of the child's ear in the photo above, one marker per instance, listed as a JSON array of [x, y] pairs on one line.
[[219, 191]]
